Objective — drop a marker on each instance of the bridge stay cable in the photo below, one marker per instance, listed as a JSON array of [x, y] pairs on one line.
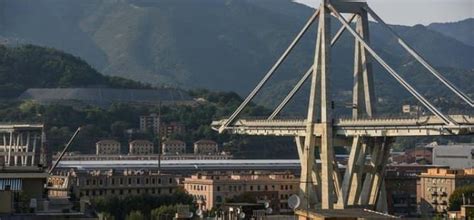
[[303, 79], [446, 119], [420, 59], [270, 72]]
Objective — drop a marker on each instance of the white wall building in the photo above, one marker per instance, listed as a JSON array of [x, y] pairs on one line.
[[456, 156]]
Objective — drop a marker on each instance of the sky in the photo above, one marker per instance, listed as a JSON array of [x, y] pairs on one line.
[[411, 12]]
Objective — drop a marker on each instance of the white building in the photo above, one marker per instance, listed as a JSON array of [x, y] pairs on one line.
[[107, 147], [173, 147], [205, 147], [140, 147], [456, 156]]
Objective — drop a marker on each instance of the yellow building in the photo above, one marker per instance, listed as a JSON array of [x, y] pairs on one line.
[[173, 147], [97, 183], [140, 147], [213, 189], [205, 147], [437, 184], [107, 147]]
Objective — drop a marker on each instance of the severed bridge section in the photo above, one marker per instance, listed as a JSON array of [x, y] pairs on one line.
[[21, 146], [370, 137]]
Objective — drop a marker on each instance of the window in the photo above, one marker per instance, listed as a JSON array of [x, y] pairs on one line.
[[170, 180], [170, 190], [218, 188], [129, 181]]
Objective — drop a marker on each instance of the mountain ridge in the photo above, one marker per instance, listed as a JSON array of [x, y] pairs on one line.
[[220, 45]]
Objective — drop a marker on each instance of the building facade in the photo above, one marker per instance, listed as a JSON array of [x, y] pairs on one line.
[[140, 147], [107, 147], [173, 147], [213, 189], [150, 123], [458, 156], [205, 147], [418, 155], [171, 128], [121, 183], [437, 184], [402, 184]]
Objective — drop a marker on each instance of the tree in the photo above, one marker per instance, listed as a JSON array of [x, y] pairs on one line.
[[246, 197], [163, 212], [135, 215], [456, 199]]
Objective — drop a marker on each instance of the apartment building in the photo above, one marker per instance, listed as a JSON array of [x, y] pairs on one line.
[[205, 147], [173, 147], [107, 147], [140, 147], [97, 183], [213, 189], [437, 184]]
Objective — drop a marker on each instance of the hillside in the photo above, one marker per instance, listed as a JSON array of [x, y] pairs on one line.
[[224, 45], [461, 30], [31, 66]]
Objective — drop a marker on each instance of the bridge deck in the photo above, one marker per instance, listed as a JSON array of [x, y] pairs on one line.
[[422, 126]]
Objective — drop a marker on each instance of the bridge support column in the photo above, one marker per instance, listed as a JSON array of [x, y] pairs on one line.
[[309, 179], [374, 178]]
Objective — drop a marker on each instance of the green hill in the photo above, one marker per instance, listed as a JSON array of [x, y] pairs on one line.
[[224, 45], [31, 66], [461, 30]]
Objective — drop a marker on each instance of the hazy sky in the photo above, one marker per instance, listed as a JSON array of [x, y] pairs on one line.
[[411, 12]]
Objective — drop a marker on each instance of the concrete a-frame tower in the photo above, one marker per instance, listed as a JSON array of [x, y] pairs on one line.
[[322, 187]]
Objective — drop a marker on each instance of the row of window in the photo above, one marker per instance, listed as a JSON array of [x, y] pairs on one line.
[[126, 180], [102, 192], [236, 188]]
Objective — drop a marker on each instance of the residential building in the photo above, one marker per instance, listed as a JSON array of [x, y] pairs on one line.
[[213, 189], [22, 173], [419, 155], [140, 147], [456, 156], [401, 184], [413, 110], [437, 184], [173, 147], [150, 123], [112, 182], [205, 147], [107, 147], [171, 128]]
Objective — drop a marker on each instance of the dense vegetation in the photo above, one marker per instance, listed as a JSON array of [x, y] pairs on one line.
[[142, 206], [461, 195], [215, 44], [31, 66]]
